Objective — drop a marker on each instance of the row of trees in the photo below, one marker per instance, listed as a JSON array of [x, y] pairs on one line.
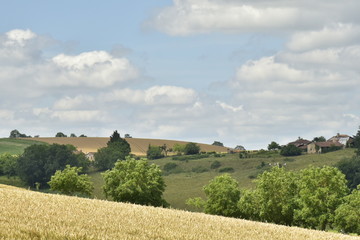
[[315, 198], [156, 152]]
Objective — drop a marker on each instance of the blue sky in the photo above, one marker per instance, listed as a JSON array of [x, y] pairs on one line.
[[240, 72]]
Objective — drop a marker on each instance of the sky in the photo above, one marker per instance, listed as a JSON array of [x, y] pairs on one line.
[[236, 71]]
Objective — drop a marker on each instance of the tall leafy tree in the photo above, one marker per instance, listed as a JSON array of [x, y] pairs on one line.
[[351, 169], [222, 195], [321, 191], [39, 162], [135, 181], [277, 192], [273, 146], [347, 215], [191, 148], [117, 149]]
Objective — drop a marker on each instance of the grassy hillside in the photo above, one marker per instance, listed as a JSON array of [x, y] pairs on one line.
[[138, 146], [15, 146], [188, 182], [32, 215]]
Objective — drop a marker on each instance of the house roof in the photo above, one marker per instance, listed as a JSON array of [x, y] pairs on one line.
[[300, 142], [328, 144]]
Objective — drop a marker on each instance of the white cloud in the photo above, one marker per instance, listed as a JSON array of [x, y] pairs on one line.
[[156, 95], [186, 17], [193, 16], [333, 36], [226, 106], [78, 102], [79, 116]]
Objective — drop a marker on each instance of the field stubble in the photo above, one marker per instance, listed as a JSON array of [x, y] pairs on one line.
[[32, 215]]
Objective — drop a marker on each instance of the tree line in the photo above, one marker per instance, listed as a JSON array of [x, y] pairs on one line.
[[315, 197]]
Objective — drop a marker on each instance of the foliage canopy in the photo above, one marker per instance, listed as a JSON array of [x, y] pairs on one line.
[[135, 181]]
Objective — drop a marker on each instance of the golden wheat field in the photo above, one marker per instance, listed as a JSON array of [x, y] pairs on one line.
[[138, 146], [32, 215]]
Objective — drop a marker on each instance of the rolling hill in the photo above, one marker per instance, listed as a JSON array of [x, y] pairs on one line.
[[138, 146], [32, 215]]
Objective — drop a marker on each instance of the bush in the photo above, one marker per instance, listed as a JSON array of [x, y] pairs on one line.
[[226, 169], [169, 166], [191, 149], [69, 182], [154, 152], [8, 164], [290, 150], [215, 164]]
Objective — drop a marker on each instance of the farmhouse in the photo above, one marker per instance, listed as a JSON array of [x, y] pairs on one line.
[[323, 147], [300, 143], [341, 138]]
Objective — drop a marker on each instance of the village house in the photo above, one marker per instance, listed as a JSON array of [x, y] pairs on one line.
[[323, 147], [300, 143], [341, 138]]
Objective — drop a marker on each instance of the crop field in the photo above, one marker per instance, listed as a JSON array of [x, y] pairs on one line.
[[33, 215], [138, 146], [15, 146]]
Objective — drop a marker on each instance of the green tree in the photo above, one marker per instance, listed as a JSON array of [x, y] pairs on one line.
[[248, 205], [135, 181], [191, 148], [69, 182], [39, 162], [357, 142], [273, 146], [290, 150], [60, 134], [117, 149], [351, 169], [347, 215], [321, 191], [319, 139], [8, 164], [179, 148], [154, 152], [73, 135], [277, 192], [115, 137], [16, 134], [222, 196], [217, 143]]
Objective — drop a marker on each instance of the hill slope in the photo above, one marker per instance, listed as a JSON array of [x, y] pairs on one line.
[[138, 146], [32, 215]]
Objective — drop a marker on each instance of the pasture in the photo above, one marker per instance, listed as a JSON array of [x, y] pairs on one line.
[[32, 215]]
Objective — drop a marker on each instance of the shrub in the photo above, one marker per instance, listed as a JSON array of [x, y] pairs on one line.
[[226, 169], [169, 166], [69, 182], [191, 148], [154, 152], [215, 164], [290, 150]]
